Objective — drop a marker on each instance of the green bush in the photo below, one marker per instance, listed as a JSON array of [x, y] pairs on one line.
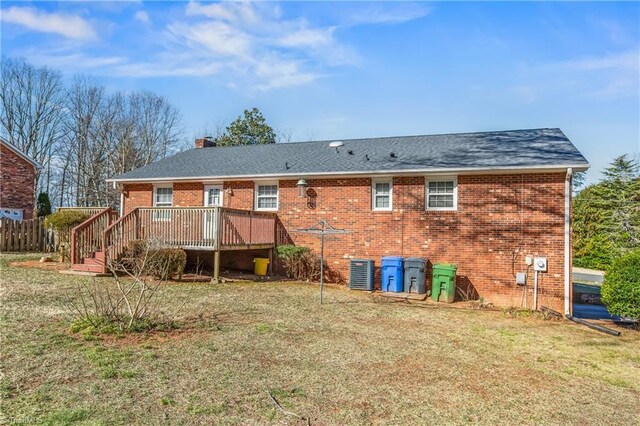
[[621, 287], [43, 205], [64, 220], [161, 263], [290, 251]]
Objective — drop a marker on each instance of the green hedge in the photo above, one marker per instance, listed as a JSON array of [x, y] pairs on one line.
[[621, 287], [64, 220]]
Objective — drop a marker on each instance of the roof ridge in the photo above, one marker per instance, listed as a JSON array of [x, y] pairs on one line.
[[389, 137]]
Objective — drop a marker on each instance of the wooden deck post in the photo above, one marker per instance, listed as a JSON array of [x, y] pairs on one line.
[[271, 261], [216, 267]]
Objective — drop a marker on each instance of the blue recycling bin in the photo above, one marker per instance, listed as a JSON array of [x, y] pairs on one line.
[[392, 274]]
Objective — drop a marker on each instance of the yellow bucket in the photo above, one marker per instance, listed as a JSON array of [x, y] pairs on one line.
[[260, 265]]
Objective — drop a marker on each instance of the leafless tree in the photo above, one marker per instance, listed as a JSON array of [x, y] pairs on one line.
[[32, 112], [110, 134], [83, 134]]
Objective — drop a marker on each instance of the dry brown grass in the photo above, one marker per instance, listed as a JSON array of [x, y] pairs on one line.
[[354, 360]]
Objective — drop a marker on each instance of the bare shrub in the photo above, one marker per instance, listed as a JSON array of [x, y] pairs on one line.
[[152, 259], [302, 263], [299, 263], [132, 306]]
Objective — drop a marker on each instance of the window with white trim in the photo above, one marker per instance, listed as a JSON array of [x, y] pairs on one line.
[[162, 197], [441, 193], [266, 196], [381, 194], [213, 195]]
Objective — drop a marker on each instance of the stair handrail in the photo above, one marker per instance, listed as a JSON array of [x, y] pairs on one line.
[[108, 232], [75, 231]]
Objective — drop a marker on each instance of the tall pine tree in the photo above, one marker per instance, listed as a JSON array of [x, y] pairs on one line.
[[249, 129], [607, 216]]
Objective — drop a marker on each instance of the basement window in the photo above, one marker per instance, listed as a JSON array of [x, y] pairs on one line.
[[14, 214], [381, 194], [442, 193], [267, 196]]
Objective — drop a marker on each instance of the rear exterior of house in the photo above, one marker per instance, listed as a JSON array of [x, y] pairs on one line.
[[484, 201], [17, 182]]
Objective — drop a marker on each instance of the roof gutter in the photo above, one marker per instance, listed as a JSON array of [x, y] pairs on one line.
[[312, 175]]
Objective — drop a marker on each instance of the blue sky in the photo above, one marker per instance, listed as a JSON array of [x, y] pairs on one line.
[[332, 70]]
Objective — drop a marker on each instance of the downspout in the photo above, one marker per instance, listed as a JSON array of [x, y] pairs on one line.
[[121, 209], [567, 241]]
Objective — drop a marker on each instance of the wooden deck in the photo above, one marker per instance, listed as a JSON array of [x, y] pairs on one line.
[[103, 238]]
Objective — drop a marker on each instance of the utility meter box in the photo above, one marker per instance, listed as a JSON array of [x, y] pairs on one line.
[[540, 264]]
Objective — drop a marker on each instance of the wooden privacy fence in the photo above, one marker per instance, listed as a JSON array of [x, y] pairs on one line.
[[25, 236]]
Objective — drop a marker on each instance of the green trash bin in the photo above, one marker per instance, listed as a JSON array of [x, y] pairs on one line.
[[443, 287]]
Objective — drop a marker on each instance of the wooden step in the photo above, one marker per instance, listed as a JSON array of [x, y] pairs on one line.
[[80, 267], [92, 261], [99, 255]]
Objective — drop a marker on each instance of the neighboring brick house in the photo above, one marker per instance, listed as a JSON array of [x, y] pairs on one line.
[[484, 201], [17, 182]]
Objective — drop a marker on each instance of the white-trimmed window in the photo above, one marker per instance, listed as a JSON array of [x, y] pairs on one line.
[[381, 194], [441, 193], [266, 196], [213, 195], [162, 197]]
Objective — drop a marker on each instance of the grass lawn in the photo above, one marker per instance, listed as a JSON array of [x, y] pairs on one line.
[[357, 359]]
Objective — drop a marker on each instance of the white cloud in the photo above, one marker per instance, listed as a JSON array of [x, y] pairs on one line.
[[375, 13], [228, 11], [71, 26], [258, 45], [622, 61], [253, 46], [313, 38], [279, 73], [612, 75], [216, 37], [142, 16], [73, 61]]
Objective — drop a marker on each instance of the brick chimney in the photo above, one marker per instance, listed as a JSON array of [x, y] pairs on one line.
[[205, 142]]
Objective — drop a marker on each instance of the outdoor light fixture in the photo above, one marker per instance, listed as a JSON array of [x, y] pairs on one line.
[[302, 188]]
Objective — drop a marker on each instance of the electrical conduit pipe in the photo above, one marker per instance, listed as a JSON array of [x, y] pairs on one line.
[[567, 241]]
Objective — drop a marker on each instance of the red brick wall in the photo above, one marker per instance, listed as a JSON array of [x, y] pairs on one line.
[[188, 194], [17, 182], [239, 194], [137, 195], [500, 219]]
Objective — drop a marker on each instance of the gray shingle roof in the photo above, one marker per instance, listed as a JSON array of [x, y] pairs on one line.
[[511, 149]]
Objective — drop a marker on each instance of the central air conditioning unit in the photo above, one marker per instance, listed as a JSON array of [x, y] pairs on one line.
[[361, 274]]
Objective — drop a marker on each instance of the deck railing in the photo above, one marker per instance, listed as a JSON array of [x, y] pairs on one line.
[[180, 226], [244, 228], [116, 237], [208, 228], [86, 238]]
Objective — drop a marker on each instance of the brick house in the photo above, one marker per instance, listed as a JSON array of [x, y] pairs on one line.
[[484, 201], [17, 182]]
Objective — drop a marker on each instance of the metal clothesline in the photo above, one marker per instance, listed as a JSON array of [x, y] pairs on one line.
[[322, 228]]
